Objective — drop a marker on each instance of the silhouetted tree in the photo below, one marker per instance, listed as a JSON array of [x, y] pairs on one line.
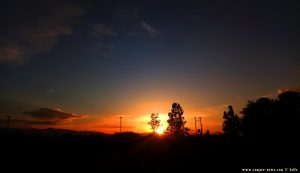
[[154, 123], [266, 118], [258, 118], [231, 123], [288, 112], [176, 121]]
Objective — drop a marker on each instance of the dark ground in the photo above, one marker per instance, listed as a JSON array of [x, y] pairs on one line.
[[129, 152]]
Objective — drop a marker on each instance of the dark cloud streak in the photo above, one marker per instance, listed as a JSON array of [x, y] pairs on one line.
[[55, 115]]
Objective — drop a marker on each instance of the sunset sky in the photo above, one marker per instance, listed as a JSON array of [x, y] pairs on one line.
[[82, 64]]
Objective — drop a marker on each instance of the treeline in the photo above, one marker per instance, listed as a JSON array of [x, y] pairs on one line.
[[262, 119], [266, 119]]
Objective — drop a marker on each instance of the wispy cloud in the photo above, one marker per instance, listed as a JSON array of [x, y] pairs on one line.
[[100, 30], [39, 33], [150, 29], [267, 96], [103, 36]]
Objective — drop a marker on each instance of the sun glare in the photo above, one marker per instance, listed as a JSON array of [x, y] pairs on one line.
[[160, 130]]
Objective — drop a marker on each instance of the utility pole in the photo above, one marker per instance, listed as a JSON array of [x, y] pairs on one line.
[[7, 124], [121, 124], [200, 127], [195, 125], [200, 130]]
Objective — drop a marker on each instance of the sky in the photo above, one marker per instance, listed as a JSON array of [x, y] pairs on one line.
[[81, 65]]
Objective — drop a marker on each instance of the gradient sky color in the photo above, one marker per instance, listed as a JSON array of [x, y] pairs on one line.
[[104, 59]]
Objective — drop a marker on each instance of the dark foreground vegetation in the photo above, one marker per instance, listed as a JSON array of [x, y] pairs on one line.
[[265, 137], [130, 152]]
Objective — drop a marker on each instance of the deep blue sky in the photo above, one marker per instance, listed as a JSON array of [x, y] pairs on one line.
[[105, 57]]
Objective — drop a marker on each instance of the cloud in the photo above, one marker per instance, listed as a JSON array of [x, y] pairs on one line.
[[150, 29], [267, 96], [39, 30], [103, 39], [54, 115], [282, 90], [100, 30]]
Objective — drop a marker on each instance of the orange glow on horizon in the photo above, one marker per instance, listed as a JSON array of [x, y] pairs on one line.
[[136, 119]]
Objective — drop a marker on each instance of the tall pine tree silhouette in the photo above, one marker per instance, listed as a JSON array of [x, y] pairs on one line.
[[176, 121]]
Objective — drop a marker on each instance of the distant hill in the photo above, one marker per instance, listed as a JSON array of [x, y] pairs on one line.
[[49, 132]]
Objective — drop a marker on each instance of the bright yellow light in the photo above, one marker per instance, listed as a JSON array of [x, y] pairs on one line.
[[160, 130]]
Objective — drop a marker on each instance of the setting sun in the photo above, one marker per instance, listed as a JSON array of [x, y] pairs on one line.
[[160, 130]]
